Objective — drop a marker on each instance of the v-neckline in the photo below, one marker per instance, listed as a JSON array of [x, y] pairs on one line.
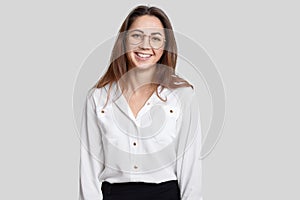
[[128, 106], [140, 110]]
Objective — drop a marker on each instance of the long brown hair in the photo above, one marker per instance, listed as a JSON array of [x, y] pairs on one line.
[[119, 62]]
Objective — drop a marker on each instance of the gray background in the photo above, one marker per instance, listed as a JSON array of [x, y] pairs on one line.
[[253, 43]]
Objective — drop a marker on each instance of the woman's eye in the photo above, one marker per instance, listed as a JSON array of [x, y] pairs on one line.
[[156, 39], [136, 35]]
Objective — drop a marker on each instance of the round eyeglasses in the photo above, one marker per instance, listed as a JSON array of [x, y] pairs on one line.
[[156, 40]]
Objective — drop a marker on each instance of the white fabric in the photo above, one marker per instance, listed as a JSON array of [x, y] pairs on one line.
[[167, 137]]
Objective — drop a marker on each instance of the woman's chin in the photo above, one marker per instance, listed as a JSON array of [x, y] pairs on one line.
[[144, 65]]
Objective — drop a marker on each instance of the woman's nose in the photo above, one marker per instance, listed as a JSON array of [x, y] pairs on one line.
[[145, 44]]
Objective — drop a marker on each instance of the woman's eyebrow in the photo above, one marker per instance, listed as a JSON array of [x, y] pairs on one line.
[[156, 33], [137, 30]]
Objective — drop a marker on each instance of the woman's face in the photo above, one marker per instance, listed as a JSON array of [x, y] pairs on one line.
[[145, 41]]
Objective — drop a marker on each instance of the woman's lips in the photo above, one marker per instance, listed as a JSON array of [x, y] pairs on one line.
[[142, 56]]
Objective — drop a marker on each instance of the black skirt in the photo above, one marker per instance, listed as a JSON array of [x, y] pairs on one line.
[[167, 190]]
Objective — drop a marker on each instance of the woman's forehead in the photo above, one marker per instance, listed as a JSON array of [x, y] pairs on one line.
[[147, 24]]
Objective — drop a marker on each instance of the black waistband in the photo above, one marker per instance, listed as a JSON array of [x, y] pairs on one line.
[[125, 186]]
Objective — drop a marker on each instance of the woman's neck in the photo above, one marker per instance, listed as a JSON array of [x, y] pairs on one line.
[[139, 80]]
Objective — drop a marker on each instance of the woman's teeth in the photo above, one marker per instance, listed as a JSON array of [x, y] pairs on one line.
[[143, 55]]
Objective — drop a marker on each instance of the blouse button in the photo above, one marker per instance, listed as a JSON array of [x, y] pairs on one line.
[[171, 111], [102, 111], [135, 167], [134, 143], [148, 103]]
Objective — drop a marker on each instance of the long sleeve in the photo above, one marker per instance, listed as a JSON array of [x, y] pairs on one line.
[[91, 154], [189, 165]]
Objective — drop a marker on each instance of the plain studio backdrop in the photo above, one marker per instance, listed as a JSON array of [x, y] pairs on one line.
[[254, 44]]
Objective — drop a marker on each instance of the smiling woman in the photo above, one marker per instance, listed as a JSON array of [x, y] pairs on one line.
[[145, 51], [138, 120]]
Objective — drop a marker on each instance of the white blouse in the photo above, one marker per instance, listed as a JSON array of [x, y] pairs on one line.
[[163, 142]]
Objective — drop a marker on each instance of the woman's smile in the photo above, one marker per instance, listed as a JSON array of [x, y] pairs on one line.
[[142, 56]]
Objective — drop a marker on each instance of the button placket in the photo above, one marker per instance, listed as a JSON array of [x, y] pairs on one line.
[[135, 146]]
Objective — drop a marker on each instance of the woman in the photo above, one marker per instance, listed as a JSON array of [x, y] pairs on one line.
[[140, 133]]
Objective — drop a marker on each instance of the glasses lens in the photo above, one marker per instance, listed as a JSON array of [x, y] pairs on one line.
[[156, 41], [135, 37]]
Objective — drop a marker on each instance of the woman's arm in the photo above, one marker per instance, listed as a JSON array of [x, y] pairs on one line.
[[91, 154], [189, 165]]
